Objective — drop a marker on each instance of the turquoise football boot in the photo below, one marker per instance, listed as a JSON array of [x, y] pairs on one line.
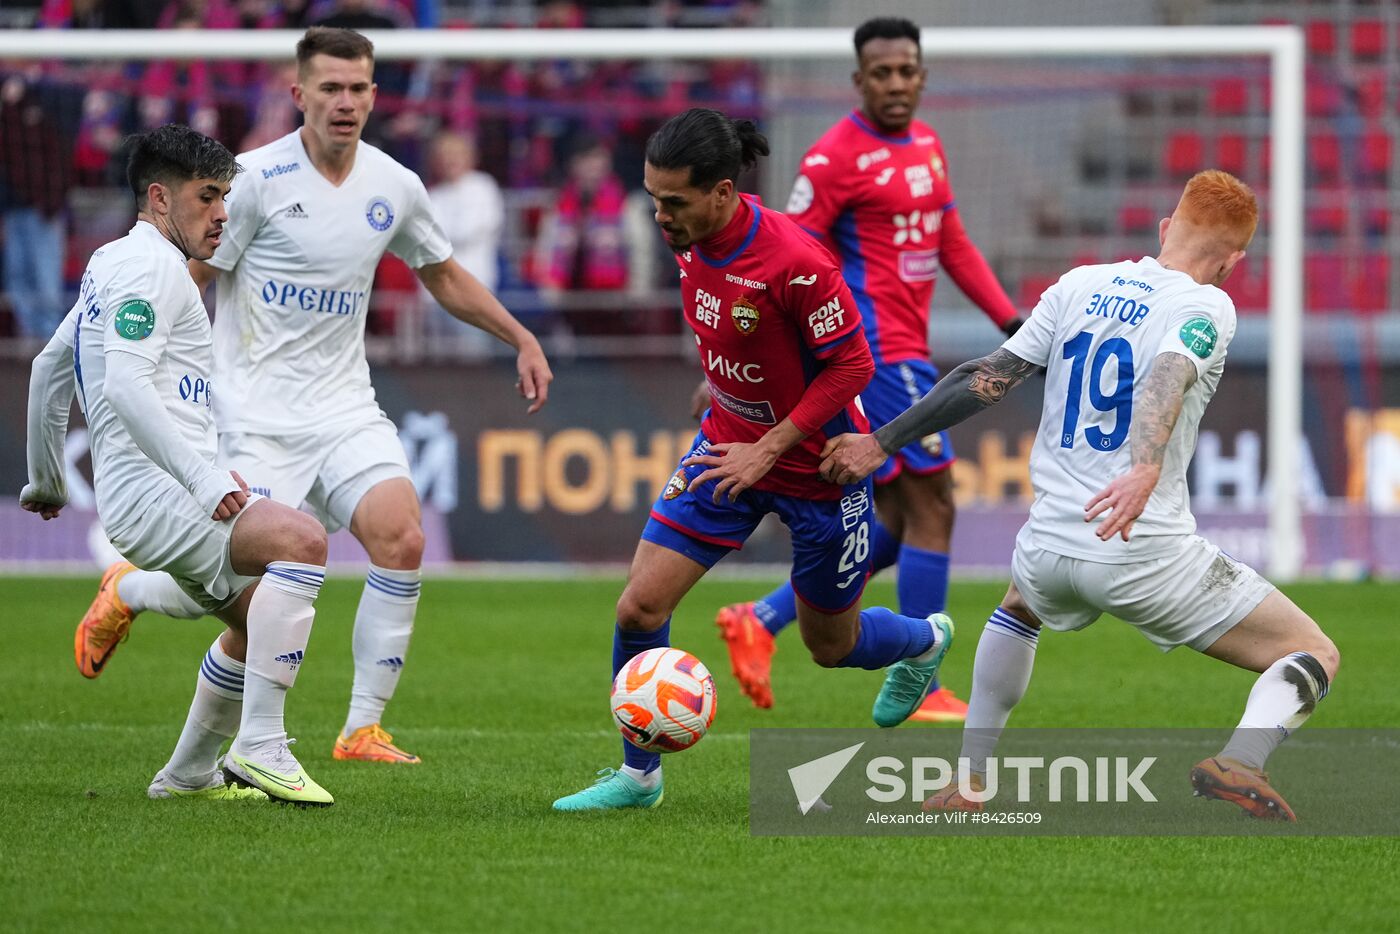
[[612, 791], [907, 681]]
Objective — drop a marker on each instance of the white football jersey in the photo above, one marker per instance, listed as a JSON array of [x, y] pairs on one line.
[[137, 297], [297, 261], [1098, 332]]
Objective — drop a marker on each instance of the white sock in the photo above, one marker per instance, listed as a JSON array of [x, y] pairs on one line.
[[1282, 698], [1001, 671], [213, 718], [279, 626], [383, 625], [648, 780], [157, 590], [927, 654]]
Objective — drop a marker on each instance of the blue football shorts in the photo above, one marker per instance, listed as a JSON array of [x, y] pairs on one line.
[[894, 388], [830, 538]]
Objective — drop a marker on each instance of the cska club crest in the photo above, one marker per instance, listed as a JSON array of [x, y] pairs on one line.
[[745, 316], [676, 485], [936, 163]]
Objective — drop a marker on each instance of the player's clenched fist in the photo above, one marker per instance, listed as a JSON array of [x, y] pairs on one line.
[[47, 510], [851, 458], [232, 503]]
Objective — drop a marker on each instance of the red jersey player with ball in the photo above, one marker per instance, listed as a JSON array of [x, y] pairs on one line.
[[785, 356], [875, 190]]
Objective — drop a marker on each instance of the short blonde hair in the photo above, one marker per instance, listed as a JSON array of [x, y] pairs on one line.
[[1218, 202]]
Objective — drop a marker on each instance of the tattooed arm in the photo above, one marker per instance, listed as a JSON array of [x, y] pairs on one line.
[[967, 390], [1155, 409]]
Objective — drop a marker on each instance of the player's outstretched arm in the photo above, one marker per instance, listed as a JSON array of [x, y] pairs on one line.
[[969, 389], [1155, 409], [51, 387], [466, 299]]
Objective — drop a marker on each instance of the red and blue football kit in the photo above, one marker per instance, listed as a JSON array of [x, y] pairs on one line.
[[778, 337], [885, 207]]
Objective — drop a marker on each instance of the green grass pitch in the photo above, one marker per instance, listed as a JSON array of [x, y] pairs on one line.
[[505, 699]]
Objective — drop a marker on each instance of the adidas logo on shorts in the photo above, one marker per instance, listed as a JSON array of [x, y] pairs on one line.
[[291, 658], [395, 663]]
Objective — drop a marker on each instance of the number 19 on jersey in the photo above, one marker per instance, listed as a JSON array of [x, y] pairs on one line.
[[1119, 402]]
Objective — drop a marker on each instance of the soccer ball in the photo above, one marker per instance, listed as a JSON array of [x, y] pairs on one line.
[[663, 700]]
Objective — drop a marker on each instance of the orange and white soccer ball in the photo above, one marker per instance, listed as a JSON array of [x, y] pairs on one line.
[[663, 700]]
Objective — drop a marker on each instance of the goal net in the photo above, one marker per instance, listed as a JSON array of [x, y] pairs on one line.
[[1065, 146]]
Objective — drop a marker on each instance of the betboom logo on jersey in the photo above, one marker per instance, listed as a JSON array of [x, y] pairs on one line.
[[282, 169], [310, 298]]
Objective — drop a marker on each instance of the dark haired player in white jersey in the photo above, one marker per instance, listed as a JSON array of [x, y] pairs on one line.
[[296, 412], [136, 349]]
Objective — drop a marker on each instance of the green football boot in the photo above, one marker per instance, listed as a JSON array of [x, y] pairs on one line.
[[163, 786], [273, 769], [907, 681], [612, 791]]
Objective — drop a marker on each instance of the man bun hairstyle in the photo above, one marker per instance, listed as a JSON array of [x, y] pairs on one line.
[[173, 154], [886, 27], [708, 143], [335, 42]]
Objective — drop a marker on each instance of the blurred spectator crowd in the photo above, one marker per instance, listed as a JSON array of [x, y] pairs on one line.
[[533, 166]]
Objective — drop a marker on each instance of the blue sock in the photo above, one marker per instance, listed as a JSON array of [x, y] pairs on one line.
[[886, 637], [884, 547], [627, 645], [777, 610], [922, 585]]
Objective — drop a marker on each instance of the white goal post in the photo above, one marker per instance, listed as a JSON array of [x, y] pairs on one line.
[[1281, 45]]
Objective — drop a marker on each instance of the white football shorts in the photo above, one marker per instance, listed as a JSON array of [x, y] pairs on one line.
[[329, 472], [1191, 596], [169, 532]]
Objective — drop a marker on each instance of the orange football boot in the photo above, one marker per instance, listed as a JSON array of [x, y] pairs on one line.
[[942, 706], [105, 625], [372, 744], [751, 651], [949, 798], [1228, 780]]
